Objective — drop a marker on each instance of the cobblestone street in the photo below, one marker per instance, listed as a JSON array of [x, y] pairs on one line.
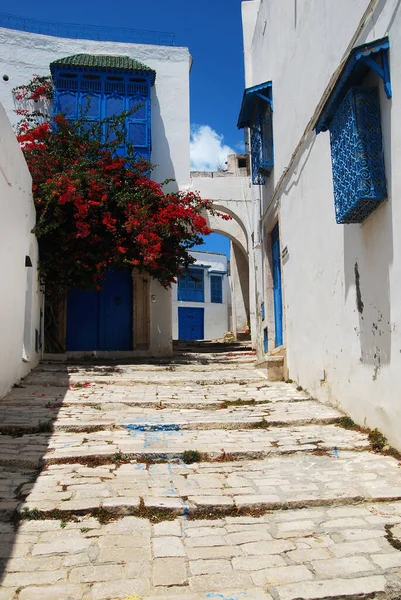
[[189, 479]]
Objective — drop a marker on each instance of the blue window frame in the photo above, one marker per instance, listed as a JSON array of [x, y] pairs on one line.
[[101, 92], [216, 289], [352, 115], [257, 114], [191, 286], [359, 180]]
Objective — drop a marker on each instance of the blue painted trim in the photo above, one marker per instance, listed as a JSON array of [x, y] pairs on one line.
[[87, 32], [251, 95], [355, 70], [149, 427], [277, 286]]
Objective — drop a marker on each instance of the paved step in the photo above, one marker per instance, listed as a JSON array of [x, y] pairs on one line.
[[223, 377], [105, 416], [312, 553], [294, 481], [33, 450], [190, 395]]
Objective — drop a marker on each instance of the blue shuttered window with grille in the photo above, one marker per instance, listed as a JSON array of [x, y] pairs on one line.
[[99, 93], [191, 287], [359, 179], [352, 115], [216, 289], [257, 115]]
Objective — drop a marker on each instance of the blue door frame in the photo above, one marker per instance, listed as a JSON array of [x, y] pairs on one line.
[[101, 319], [191, 323], [277, 289]]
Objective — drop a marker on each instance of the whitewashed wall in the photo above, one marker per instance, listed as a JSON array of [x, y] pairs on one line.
[[161, 341], [17, 218], [216, 315], [359, 354], [24, 54]]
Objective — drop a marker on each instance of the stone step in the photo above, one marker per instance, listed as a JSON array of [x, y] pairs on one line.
[[168, 444], [324, 552], [191, 395], [229, 361], [73, 418], [223, 377], [295, 481], [272, 367]]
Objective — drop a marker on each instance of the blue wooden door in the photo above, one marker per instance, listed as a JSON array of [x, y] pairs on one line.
[[190, 323], [101, 319], [278, 300]]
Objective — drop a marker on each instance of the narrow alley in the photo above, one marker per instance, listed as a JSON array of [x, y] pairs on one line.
[[189, 479]]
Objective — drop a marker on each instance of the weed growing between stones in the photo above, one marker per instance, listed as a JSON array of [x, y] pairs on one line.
[[155, 515], [191, 456], [347, 423], [224, 457], [42, 427], [378, 441], [238, 402], [263, 424]]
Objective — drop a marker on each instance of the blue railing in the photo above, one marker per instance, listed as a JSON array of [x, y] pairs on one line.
[[87, 32]]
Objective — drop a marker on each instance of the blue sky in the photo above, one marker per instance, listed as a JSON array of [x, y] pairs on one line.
[[212, 31]]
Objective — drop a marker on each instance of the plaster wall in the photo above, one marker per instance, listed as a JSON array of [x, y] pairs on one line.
[[239, 289], [216, 317], [160, 320], [344, 353], [24, 54], [16, 242]]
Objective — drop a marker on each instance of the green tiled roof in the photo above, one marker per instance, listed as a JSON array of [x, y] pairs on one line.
[[102, 61]]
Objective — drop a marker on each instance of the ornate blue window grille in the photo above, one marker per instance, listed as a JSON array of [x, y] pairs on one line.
[[359, 179], [257, 114], [216, 289], [94, 87], [352, 115], [191, 286], [261, 143]]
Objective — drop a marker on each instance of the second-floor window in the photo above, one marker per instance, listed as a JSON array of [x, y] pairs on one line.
[[216, 289], [191, 286], [101, 86]]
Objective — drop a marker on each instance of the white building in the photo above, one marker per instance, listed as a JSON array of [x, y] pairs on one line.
[[323, 107], [116, 75], [21, 332], [201, 299]]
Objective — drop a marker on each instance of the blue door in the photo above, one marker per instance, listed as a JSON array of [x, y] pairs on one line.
[[101, 319], [190, 323], [278, 300]]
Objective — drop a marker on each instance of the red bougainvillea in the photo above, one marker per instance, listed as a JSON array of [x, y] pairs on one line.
[[97, 210]]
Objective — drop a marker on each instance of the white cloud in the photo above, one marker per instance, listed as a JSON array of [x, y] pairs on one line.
[[208, 152]]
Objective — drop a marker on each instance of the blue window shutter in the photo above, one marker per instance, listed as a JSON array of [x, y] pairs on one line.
[[261, 142], [191, 287], [216, 289], [99, 94], [359, 179]]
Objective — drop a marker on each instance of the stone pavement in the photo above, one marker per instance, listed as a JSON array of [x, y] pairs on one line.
[[189, 479]]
